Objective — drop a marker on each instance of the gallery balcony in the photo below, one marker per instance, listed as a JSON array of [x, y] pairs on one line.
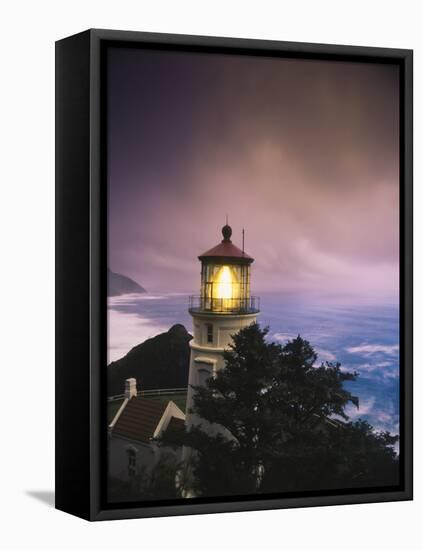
[[230, 306]]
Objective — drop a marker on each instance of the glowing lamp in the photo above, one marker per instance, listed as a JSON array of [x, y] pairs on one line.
[[225, 278], [224, 282]]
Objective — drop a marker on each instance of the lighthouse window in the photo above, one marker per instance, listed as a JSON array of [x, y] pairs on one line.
[[209, 328]]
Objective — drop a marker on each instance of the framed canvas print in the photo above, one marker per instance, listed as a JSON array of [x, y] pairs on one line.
[[234, 274]]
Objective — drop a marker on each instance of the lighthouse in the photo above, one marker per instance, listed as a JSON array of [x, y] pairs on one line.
[[223, 307]]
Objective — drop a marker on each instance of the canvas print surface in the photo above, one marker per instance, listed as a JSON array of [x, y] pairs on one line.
[[253, 276]]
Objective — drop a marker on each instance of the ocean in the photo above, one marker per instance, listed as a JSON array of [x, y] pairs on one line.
[[362, 337]]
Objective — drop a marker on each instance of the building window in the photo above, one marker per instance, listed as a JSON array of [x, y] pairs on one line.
[[209, 328], [132, 462]]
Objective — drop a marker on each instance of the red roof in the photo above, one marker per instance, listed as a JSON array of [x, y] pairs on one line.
[[140, 418], [226, 249]]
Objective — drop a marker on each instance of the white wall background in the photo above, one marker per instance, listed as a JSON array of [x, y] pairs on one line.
[[28, 31]]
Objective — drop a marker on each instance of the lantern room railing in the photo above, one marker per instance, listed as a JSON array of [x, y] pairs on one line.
[[197, 304]]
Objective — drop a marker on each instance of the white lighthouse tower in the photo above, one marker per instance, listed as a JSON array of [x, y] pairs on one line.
[[223, 307]]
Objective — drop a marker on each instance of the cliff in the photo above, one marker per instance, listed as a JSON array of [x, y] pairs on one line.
[[120, 284], [159, 362]]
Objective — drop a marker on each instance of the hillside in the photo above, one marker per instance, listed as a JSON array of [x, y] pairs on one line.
[[120, 284], [159, 362]]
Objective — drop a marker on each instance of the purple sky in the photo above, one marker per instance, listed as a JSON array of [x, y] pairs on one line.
[[303, 154]]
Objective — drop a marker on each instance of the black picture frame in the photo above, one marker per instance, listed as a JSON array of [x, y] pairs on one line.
[[81, 270]]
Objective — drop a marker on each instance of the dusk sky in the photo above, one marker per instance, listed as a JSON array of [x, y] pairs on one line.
[[303, 154]]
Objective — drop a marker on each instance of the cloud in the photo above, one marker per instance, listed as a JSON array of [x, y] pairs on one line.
[[284, 336], [365, 408], [386, 419], [367, 350], [325, 355], [386, 369], [130, 299], [304, 154], [381, 414]]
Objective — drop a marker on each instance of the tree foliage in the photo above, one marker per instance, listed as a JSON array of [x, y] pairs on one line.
[[278, 430]]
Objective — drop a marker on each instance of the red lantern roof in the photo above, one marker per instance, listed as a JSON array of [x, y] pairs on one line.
[[226, 250]]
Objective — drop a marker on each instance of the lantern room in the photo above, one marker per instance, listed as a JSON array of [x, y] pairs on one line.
[[225, 280]]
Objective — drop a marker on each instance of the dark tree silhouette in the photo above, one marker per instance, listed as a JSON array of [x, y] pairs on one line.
[[155, 484], [281, 431]]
